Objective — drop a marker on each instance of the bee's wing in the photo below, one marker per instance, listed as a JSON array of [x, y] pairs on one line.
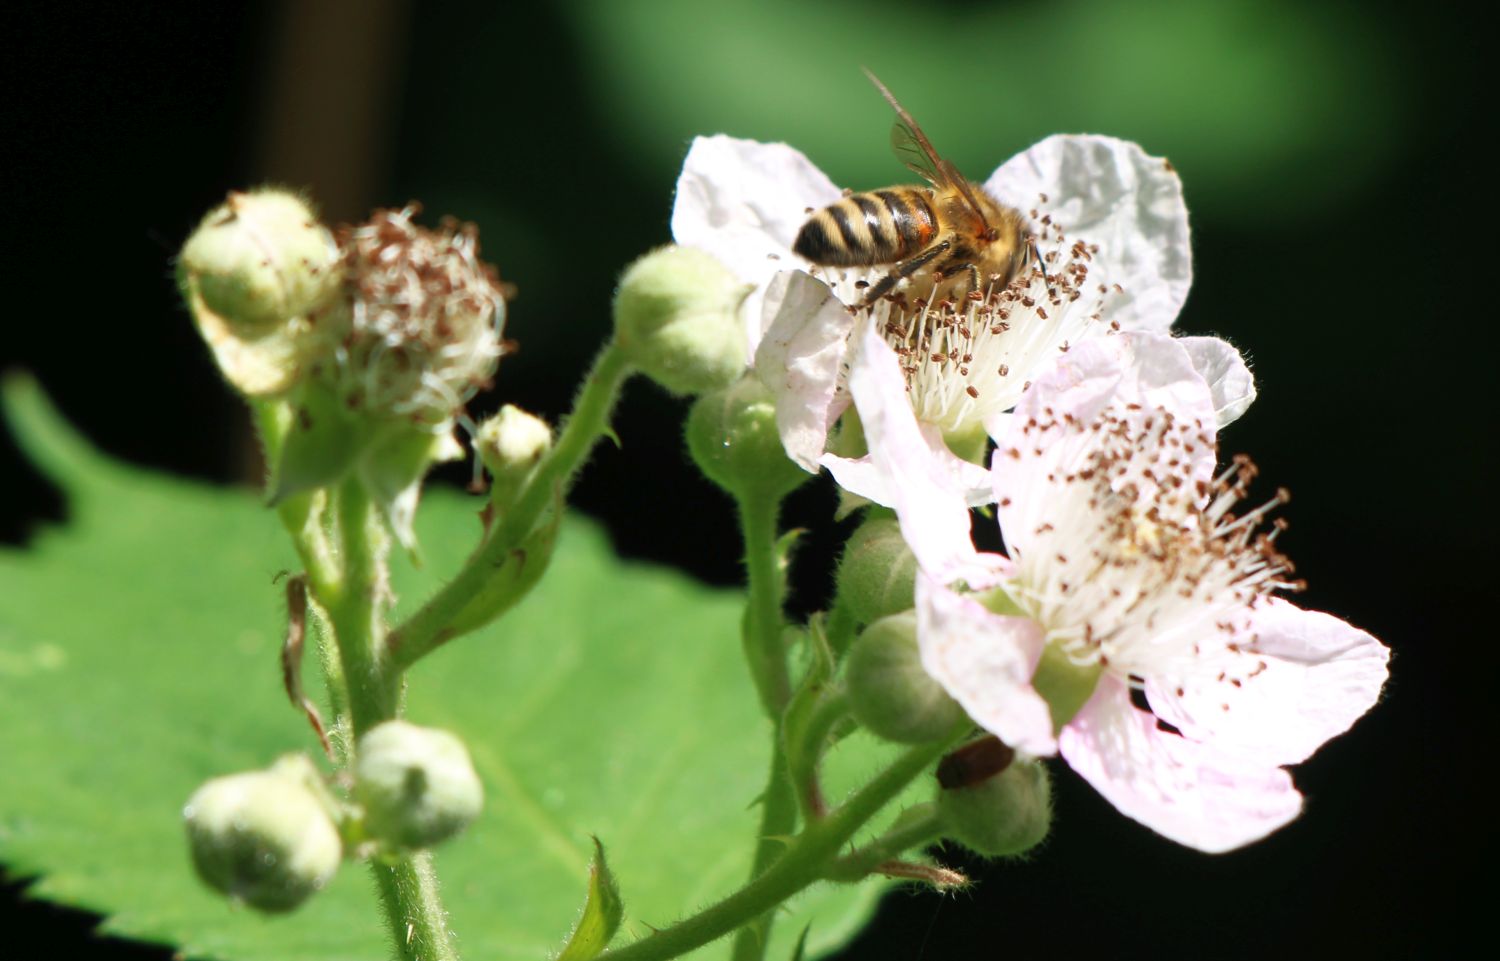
[[914, 149]]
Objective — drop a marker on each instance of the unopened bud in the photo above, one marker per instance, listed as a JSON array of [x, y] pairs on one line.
[[257, 273], [1004, 815], [416, 784], [511, 444], [264, 837], [889, 692], [878, 573], [732, 437], [677, 319]]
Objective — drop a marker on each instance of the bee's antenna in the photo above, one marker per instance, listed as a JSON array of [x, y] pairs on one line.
[[1036, 255]]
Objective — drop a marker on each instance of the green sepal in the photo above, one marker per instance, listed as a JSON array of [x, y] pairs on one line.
[[602, 912], [392, 471], [1065, 686], [322, 444]]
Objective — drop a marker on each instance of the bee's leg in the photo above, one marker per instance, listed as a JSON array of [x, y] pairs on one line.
[[901, 271], [960, 288]]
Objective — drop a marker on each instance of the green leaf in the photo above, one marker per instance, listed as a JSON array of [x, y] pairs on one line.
[[139, 656], [602, 912]]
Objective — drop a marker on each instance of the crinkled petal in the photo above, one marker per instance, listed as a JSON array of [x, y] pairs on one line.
[[744, 201], [800, 360], [1111, 193], [1139, 375], [985, 662], [920, 477], [1228, 377], [1292, 680], [1180, 788]]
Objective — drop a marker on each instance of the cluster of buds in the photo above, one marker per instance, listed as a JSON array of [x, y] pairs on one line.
[[273, 838], [359, 346]]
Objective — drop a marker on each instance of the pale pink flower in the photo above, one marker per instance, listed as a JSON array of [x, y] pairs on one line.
[[1131, 577], [1111, 225]]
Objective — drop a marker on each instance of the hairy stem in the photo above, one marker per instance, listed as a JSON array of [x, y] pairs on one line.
[[764, 648], [409, 892], [803, 863], [778, 819], [431, 626], [765, 653], [406, 884], [831, 708], [920, 829]]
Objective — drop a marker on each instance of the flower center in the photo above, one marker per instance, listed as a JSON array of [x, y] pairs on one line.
[[1129, 560]]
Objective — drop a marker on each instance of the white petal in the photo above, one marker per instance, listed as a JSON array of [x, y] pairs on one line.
[[1228, 378], [1177, 787], [800, 361], [744, 201], [1112, 193], [926, 483], [1295, 679], [1153, 372], [985, 662]]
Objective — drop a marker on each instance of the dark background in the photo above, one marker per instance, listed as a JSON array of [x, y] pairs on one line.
[[1331, 161]]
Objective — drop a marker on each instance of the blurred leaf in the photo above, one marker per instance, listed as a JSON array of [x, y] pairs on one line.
[[1270, 109], [602, 911], [138, 657]]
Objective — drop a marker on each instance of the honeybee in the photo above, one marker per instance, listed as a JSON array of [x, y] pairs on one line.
[[964, 238]]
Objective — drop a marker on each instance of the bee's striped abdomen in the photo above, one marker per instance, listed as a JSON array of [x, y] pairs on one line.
[[880, 227]]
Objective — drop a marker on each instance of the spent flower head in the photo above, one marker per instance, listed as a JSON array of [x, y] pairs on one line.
[[425, 318]]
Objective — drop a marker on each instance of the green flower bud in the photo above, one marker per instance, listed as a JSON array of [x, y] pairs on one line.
[[889, 691], [511, 444], [878, 573], [677, 319], [1004, 815], [258, 273], [416, 784], [264, 837], [732, 436]]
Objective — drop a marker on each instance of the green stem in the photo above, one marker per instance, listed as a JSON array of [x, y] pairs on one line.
[[765, 653], [830, 709], [778, 819], [432, 625], [803, 863], [914, 831], [419, 925], [407, 885], [764, 648], [356, 609]]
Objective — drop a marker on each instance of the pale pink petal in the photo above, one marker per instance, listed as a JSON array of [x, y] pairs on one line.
[[1292, 680], [985, 662], [913, 469], [744, 201], [800, 360], [1137, 375], [1228, 377], [1180, 788], [1111, 193]]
